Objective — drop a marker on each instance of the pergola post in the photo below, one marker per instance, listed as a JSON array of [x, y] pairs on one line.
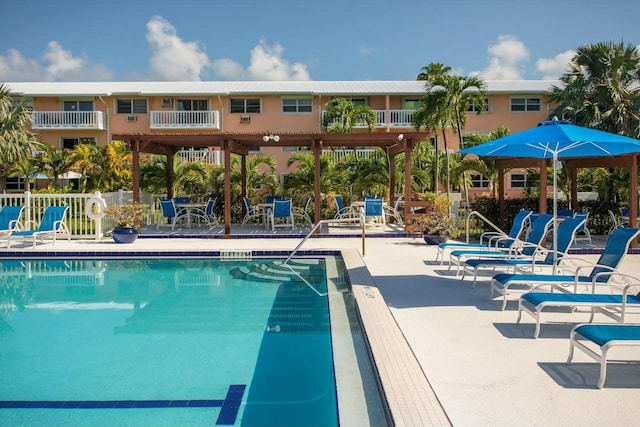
[[169, 174], [227, 186], [317, 203], [407, 179]]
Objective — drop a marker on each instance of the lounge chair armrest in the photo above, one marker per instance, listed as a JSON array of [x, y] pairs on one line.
[[628, 278]]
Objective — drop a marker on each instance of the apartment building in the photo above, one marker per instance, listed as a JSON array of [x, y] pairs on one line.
[[69, 113]]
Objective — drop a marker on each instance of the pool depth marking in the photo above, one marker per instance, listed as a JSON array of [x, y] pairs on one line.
[[228, 412]]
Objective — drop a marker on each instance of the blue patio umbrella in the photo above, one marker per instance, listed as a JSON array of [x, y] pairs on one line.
[[558, 140]]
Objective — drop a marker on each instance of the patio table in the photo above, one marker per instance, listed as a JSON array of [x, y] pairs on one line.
[[190, 208]]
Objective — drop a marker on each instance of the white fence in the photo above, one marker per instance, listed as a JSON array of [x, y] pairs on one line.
[[80, 226]]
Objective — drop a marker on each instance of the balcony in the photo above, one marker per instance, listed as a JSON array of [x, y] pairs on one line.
[[397, 118], [185, 120], [65, 120]]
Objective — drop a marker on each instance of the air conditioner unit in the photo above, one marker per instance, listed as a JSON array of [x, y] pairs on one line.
[[245, 119], [132, 118], [167, 102]]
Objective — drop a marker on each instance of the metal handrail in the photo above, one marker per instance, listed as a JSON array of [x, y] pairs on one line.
[[327, 221], [482, 217]]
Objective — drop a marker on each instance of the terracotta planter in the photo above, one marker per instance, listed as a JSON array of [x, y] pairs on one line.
[[124, 234]]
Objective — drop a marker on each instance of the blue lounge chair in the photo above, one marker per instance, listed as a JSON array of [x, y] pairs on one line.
[[518, 249], [606, 337], [601, 274], [490, 238], [52, 224], [302, 212], [567, 231], [10, 219]]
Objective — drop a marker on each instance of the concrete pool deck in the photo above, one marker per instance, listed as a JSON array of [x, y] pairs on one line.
[[483, 367]]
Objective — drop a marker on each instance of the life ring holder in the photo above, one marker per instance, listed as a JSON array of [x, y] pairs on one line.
[[100, 205]]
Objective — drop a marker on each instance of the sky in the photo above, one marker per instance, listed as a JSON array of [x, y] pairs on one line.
[[229, 40]]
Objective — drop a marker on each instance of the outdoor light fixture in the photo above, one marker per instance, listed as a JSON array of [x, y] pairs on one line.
[[271, 137], [400, 137]]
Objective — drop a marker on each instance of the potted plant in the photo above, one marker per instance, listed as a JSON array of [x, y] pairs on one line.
[[125, 217], [436, 224]]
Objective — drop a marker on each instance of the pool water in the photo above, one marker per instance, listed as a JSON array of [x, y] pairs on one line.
[[155, 342]]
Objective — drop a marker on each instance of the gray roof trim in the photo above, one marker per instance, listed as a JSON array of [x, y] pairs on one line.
[[321, 88]]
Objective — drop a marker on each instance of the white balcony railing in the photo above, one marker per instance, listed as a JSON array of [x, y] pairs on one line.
[[208, 156], [67, 120], [397, 118], [185, 120], [360, 153]]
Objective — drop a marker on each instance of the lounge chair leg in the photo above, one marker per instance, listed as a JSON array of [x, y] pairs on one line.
[[603, 368]]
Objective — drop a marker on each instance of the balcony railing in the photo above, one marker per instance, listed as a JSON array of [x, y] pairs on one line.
[[359, 153], [185, 120], [67, 120], [397, 118], [208, 156]]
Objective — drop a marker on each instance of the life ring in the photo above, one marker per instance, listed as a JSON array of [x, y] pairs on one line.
[[99, 204]]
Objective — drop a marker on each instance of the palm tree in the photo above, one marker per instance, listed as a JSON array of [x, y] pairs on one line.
[[342, 115], [602, 89], [114, 167], [188, 177], [53, 162], [16, 142], [484, 167], [256, 174], [446, 102], [84, 158]]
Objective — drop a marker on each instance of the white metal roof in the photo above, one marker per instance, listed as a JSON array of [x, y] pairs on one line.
[[212, 88]]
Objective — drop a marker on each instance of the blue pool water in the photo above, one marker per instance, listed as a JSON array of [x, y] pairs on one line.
[[165, 342]]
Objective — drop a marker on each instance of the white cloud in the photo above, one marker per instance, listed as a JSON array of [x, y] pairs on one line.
[[505, 58], [553, 68], [365, 50], [266, 63], [62, 66], [171, 57]]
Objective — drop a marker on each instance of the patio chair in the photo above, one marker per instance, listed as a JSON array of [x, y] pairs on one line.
[[252, 212], [566, 236], [10, 219], [491, 238], [394, 212], [373, 211], [169, 211], [601, 274], [207, 215], [614, 222], [605, 337], [281, 211], [347, 213], [302, 212], [518, 249], [52, 224], [583, 232]]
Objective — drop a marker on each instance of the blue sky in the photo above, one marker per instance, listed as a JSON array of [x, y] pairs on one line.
[[191, 40]]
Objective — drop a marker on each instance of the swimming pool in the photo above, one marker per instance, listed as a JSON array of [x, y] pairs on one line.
[[173, 341]]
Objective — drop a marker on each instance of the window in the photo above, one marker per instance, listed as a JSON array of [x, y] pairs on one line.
[[193, 105], [302, 105], [474, 108], [77, 105], [291, 149], [245, 105], [525, 104], [131, 106], [479, 181], [517, 180], [72, 142], [359, 101], [410, 104]]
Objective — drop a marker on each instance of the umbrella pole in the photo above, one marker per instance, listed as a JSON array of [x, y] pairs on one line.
[[555, 212]]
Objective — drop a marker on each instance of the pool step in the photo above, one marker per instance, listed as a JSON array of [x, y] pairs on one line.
[[276, 271]]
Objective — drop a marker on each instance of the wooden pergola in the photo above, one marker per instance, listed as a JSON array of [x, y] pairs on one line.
[[629, 161], [393, 143]]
